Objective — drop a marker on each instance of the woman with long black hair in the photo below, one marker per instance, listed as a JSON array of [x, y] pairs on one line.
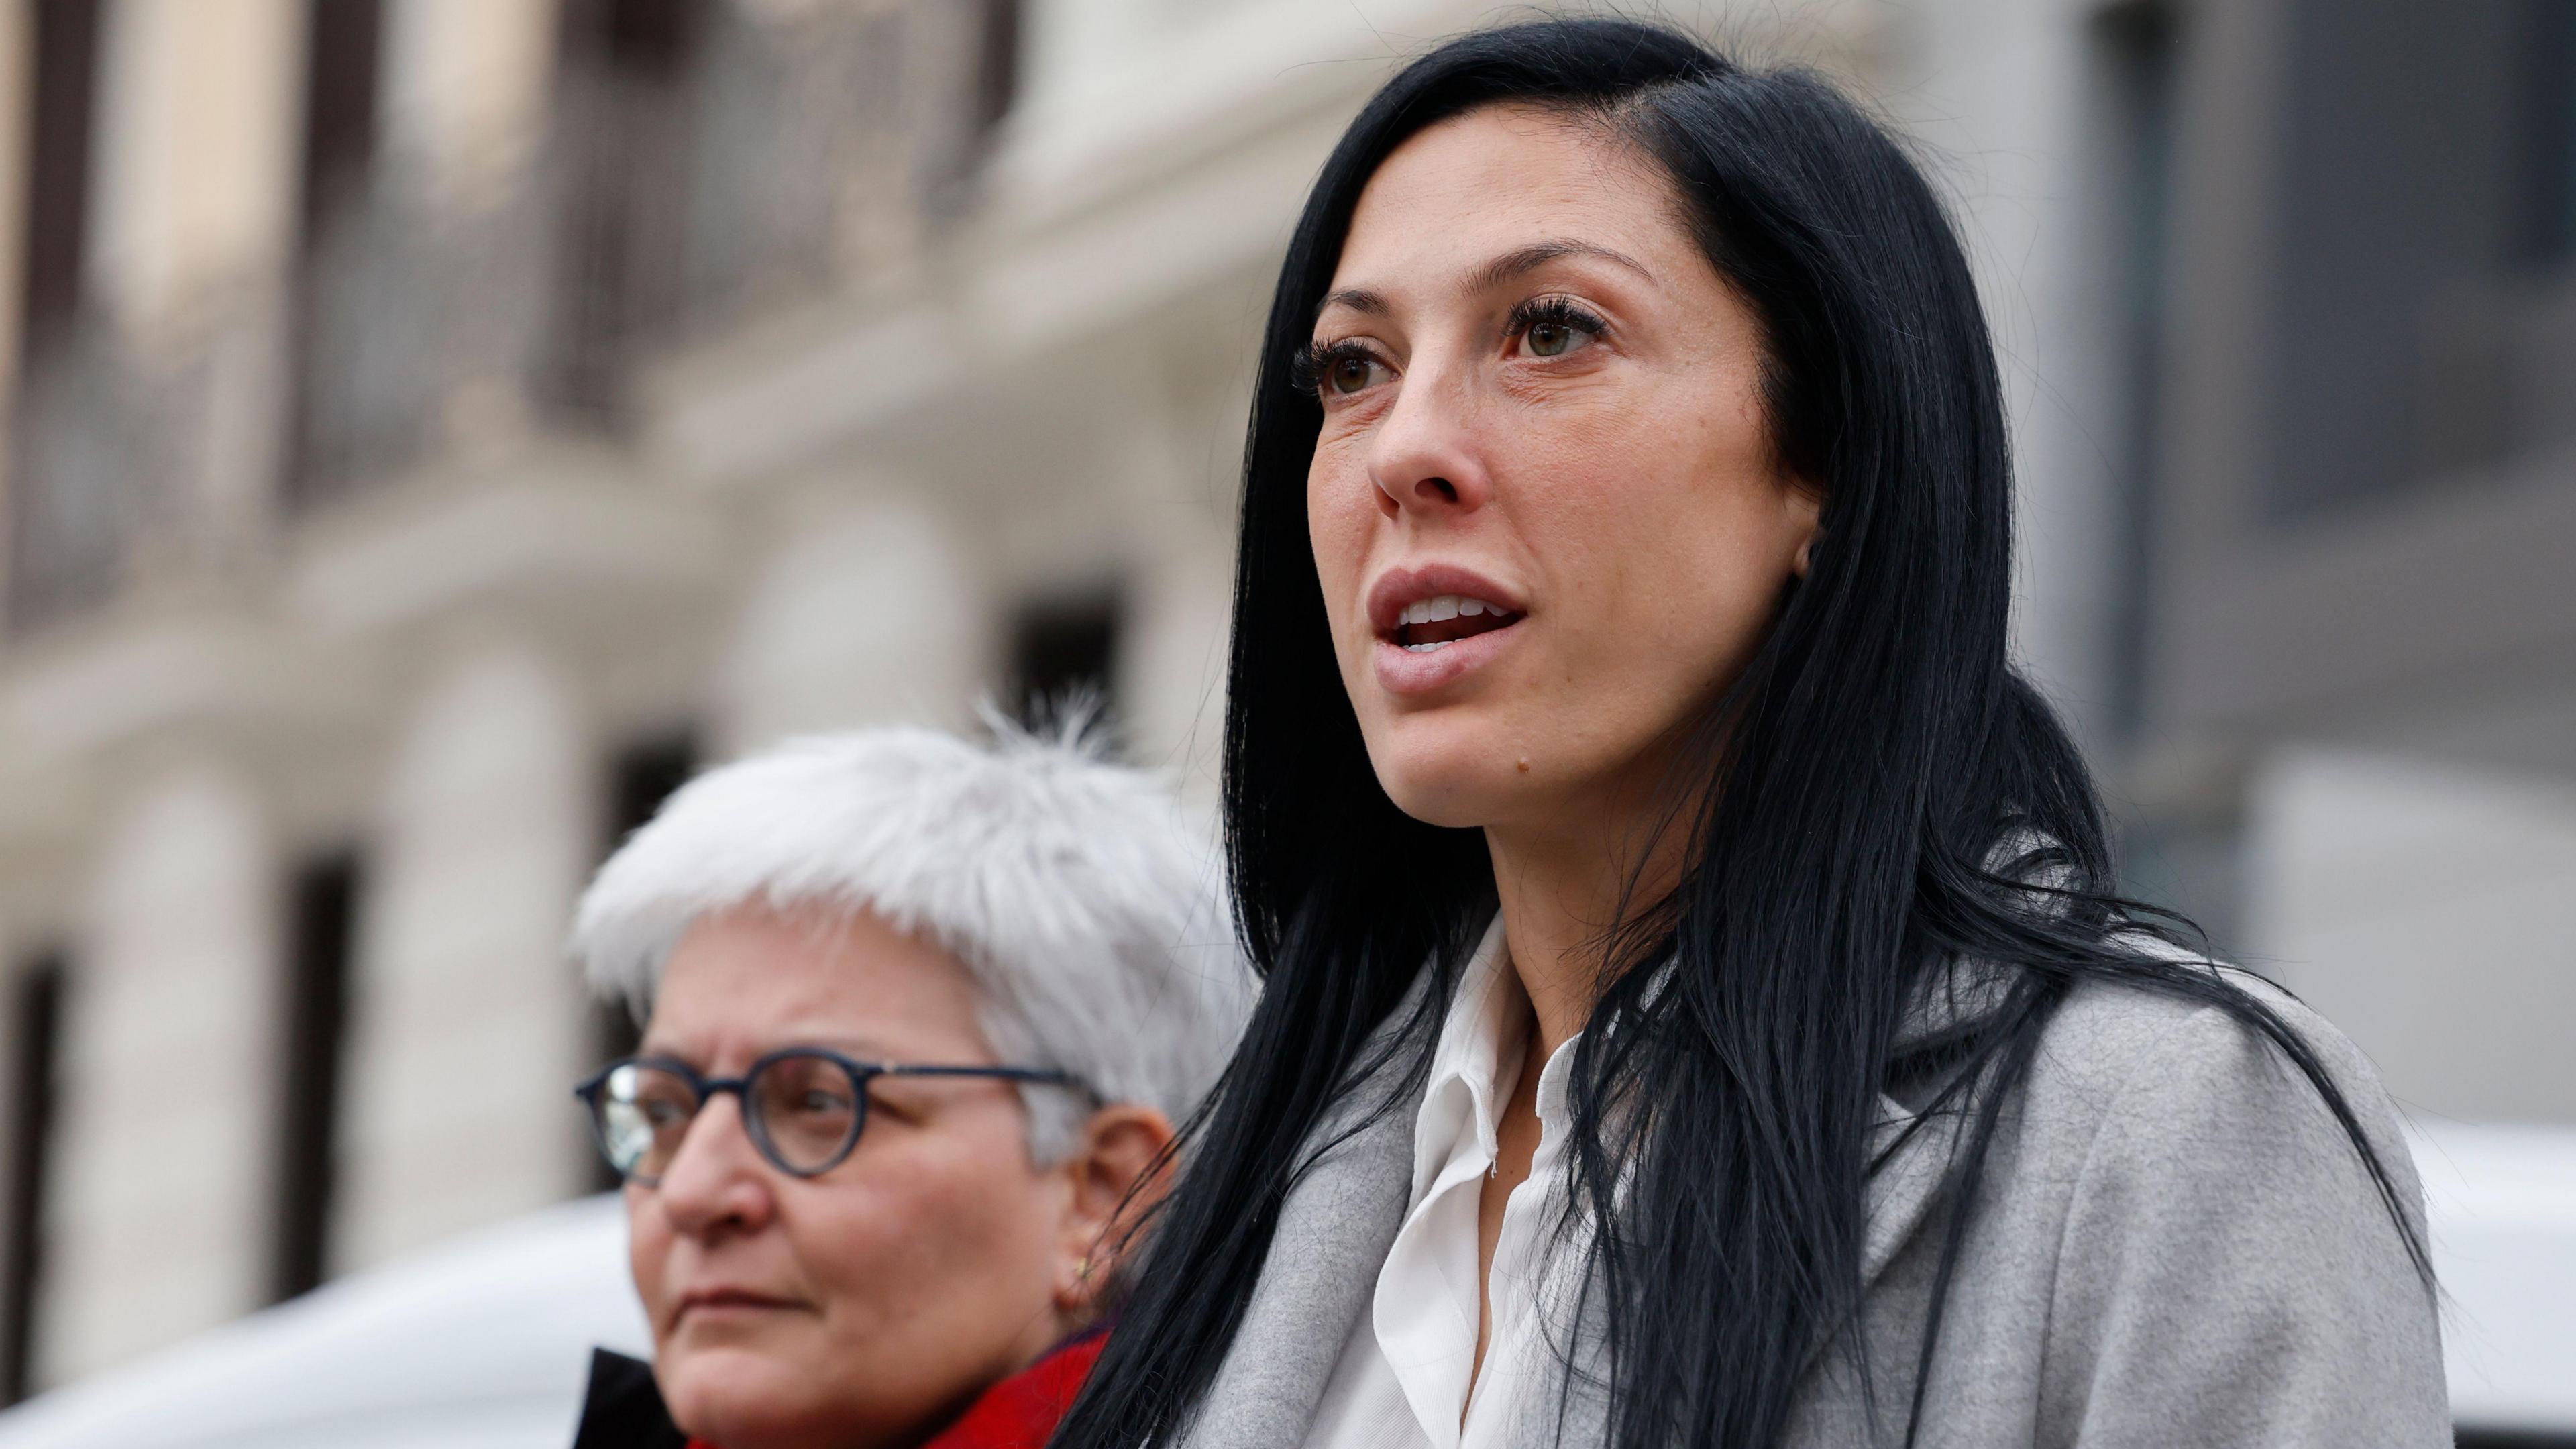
[[1698, 1008]]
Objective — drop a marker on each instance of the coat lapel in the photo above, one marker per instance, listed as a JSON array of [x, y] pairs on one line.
[[1335, 1229]]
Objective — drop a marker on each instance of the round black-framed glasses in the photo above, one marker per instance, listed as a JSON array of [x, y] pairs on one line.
[[802, 1107]]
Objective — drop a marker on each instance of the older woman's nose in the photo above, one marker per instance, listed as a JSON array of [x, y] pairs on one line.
[[717, 1182]]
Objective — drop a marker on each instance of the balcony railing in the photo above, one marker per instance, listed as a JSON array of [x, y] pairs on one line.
[[737, 161], [118, 457], [743, 160], [404, 312]]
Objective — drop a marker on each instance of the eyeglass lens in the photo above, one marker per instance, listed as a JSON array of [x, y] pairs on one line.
[[802, 1112], [807, 1109]]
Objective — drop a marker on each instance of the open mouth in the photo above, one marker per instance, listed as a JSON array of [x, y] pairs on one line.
[[1428, 625]]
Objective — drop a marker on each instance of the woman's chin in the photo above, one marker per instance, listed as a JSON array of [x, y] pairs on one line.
[[734, 1397], [1455, 788]]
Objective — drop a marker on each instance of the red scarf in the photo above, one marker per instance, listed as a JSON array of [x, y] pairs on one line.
[[1021, 1411]]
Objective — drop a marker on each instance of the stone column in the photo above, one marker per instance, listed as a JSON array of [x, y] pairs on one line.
[[466, 86], [466, 1020], [157, 1224]]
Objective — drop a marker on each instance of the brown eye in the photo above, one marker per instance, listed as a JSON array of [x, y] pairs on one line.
[[1348, 373], [1551, 328]]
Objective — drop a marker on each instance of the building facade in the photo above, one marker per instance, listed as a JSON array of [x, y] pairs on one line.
[[434, 426]]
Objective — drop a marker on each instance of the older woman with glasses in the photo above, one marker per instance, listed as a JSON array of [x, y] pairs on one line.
[[920, 1015]]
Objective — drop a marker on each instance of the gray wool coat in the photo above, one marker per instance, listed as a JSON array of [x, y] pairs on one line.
[[2175, 1245]]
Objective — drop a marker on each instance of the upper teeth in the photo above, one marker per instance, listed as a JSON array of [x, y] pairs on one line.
[[1446, 606]]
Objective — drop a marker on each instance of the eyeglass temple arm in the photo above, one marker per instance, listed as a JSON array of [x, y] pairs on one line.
[[1014, 1074], [1038, 1075]]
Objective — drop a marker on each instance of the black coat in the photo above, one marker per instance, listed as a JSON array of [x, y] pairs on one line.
[[623, 1408]]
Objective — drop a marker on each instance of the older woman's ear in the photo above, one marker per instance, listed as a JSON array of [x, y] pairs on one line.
[[1115, 1172]]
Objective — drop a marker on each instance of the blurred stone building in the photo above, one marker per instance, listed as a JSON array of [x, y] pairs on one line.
[[2286, 298], [372, 562], [2353, 702], [435, 426]]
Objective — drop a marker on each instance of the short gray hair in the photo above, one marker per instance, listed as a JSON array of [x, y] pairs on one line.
[[1069, 887]]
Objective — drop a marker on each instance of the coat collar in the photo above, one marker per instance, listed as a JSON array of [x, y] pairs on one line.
[[1337, 1224], [1912, 1150], [623, 1408], [1334, 1230], [1021, 1411], [1913, 1168]]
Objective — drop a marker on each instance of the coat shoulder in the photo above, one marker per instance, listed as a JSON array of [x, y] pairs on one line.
[[2137, 1058], [2176, 1241]]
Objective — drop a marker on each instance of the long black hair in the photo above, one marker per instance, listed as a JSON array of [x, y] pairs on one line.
[[1882, 796]]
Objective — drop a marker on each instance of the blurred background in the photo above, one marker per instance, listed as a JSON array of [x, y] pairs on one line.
[[434, 427]]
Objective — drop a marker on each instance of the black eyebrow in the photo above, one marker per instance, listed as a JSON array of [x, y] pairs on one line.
[[1495, 273], [1512, 265], [1358, 299]]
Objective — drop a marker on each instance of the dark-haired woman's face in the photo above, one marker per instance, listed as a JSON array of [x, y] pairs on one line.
[[1544, 504]]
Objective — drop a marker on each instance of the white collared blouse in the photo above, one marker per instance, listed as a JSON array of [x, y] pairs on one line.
[[1402, 1381]]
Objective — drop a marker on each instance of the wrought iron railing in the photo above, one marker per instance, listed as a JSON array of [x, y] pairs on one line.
[[774, 154]]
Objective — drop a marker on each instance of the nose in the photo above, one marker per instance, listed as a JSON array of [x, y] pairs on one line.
[[1426, 458], [717, 1182]]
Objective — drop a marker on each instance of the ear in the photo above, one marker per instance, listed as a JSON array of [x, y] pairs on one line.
[[1114, 1176], [1806, 513]]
